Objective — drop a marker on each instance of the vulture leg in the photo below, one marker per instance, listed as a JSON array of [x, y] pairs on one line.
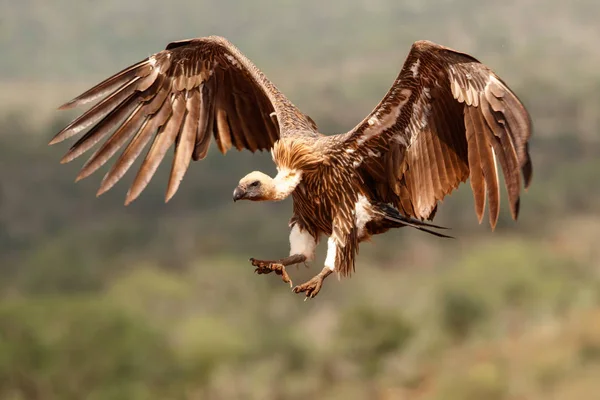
[[278, 266], [313, 286], [302, 249]]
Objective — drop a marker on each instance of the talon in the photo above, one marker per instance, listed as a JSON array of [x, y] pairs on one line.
[[312, 287], [280, 270], [258, 263], [266, 267]]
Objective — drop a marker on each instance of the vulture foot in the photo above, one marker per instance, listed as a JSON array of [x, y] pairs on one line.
[[266, 267], [313, 286]]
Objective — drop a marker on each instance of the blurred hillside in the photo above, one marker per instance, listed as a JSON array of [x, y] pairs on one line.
[[103, 301]]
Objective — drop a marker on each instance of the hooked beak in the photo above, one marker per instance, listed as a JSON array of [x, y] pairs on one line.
[[238, 194]]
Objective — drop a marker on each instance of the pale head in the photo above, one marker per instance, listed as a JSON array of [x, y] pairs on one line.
[[257, 186]]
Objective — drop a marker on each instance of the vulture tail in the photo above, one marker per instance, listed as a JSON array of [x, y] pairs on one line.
[[392, 215]]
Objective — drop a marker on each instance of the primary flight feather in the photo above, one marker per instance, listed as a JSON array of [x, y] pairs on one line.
[[447, 118]]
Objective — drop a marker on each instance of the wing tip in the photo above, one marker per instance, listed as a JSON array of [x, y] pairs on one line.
[[68, 157], [85, 171], [493, 222], [80, 176], [102, 189], [173, 185], [131, 196], [137, 187], [494, 215], [527, 172], [480, 200], [514, 209], [60, 136], [68, 105], [479, 217], [170, 193]]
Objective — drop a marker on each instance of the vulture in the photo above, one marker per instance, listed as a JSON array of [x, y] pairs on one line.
[[447, 118]]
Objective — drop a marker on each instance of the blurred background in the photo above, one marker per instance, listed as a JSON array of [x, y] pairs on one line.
[[155, 301]]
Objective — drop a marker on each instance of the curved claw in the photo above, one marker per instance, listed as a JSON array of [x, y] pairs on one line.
[[266, 267], [258, 263], [312, 287]]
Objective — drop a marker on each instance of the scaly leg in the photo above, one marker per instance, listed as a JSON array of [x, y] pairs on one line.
[[302, 249], [313, 286], [278, 266]]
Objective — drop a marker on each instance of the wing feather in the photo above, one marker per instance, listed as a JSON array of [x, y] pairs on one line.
[[102, 128], [109, 85], [440, 171], [164, 139], [504, 150], [456, 121], [135, 147], [110, 147], [181, 96], [185, 146], [98, 112], [233, 118], [206, 122], [487, 162], [475, 168], [243, 110]]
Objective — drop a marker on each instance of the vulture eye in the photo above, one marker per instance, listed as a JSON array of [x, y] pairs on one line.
[[255, 184]]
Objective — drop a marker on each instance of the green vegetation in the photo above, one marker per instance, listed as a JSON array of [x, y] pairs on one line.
[[155, 301]]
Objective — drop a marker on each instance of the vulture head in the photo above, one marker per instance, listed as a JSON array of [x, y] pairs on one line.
[[257, 186]]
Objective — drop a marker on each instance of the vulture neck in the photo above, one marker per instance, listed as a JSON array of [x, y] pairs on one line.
[[285, 182]]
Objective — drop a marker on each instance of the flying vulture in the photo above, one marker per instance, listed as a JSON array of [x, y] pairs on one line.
[[446, 118]]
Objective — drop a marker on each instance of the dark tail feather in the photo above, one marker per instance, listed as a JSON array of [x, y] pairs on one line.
[[391, 214]]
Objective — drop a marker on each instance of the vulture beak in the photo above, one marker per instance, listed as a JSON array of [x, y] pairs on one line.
[[238, 194]]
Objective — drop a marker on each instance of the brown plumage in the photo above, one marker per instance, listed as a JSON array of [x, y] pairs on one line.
[[446, 118]]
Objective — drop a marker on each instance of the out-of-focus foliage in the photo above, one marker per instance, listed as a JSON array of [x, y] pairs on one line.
[[155, 301]]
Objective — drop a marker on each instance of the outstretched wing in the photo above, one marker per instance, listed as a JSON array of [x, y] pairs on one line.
[[181, 95], [446, 118]]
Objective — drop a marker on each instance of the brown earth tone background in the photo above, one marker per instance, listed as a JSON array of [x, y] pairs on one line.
[[155, 301]]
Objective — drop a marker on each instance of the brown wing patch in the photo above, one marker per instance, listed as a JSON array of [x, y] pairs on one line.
[[179, 97], [460, 121], [436, 162]]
